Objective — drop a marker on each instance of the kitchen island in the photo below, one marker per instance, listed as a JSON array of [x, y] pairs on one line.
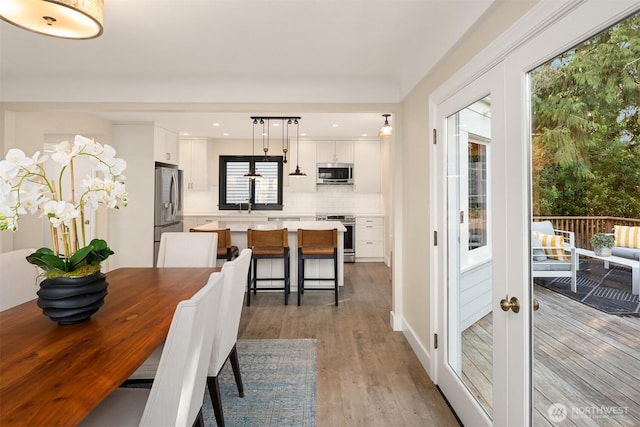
[[313, 268]]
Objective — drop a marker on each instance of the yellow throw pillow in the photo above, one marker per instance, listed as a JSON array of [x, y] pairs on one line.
[[627, 237], [553, 246]]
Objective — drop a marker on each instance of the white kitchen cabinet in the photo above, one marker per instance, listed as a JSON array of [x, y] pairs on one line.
[[165, 147], [335, 151], [369, 238], [307, 163], [367, 167], [194, 163]]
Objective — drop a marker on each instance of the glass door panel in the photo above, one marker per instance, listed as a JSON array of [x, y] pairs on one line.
[[584, 145], [469, 288]]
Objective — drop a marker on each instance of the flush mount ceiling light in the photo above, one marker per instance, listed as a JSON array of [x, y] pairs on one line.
[[69, 19], [386, 129]]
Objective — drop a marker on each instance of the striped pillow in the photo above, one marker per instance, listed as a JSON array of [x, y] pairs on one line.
[[627, 237], [553, 246]]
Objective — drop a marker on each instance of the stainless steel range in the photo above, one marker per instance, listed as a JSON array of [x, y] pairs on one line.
[[349, 222]]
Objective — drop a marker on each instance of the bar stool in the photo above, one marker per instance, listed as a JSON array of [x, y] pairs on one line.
[[268, 244], [317, 244], [226, 250]]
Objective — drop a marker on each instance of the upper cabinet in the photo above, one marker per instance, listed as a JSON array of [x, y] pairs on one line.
[[367, 167], [194, 163], [307, 163], [165, 148], [335, 151]]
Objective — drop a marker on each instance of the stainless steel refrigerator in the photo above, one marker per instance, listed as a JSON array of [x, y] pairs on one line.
[[168, 204]]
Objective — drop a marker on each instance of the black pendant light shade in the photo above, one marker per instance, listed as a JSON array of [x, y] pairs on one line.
[[297, 173]]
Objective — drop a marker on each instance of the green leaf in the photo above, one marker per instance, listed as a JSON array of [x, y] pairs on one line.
[[79, 257], [46, 259]]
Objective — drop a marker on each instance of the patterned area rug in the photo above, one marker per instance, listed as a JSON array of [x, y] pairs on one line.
[[279, 378], [607, 290]]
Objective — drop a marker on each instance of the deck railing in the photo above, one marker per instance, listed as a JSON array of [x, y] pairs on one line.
[[586, 226]]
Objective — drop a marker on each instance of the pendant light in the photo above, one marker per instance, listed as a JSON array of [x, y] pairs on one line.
[[285, 143], [386, 129], [68, 19], [265, 148], [252, 169], [297, 173]]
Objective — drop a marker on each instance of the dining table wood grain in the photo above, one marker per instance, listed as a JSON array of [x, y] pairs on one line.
[[53, 375]]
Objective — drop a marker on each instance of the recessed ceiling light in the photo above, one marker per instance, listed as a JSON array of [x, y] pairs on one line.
[[364, 134], [225, 134], [216, 124], [303, 134], [335, 125], [185, 133]]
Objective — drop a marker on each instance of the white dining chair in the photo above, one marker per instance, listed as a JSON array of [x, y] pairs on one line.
[[225, 334], [18, 278], [187, 249], [176, 395]]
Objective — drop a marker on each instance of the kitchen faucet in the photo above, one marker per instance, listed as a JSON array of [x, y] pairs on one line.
[[248, 206]]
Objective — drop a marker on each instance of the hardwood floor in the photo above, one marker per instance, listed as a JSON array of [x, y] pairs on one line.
[[583, 358], [367, 375]]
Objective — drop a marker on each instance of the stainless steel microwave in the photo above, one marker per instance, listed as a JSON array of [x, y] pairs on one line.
[[335, 173]]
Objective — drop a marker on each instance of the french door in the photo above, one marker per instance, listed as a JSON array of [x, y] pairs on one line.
[[483, 356]]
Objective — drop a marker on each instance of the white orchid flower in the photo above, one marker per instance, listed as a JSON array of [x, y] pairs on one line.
[[64, 152], [25, 187], [15, 159]]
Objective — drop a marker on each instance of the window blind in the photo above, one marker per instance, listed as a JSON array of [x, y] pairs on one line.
[[237, 183]]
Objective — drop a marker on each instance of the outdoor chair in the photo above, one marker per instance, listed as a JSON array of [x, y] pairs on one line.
[[553, 252]]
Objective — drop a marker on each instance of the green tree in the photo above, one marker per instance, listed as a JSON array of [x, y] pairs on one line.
[[586, 127]]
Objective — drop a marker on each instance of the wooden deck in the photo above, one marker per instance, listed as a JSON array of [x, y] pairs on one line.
[[585, 359]]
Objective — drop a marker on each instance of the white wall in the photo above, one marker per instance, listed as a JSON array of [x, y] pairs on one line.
[[417, 220], [28, 131], [131, 234]]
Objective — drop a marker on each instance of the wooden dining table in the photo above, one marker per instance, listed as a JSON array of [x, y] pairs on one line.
[[53, 375]]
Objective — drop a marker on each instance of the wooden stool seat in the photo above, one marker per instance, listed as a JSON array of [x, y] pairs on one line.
[[317, 244], [268, 244], [226, 250]]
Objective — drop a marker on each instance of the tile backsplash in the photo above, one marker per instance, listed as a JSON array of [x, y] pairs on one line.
[[328, 199]]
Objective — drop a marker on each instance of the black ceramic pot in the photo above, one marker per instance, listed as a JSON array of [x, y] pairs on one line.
[[70, 300]]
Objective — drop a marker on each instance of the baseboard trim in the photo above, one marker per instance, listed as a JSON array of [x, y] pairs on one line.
[[424, 356]]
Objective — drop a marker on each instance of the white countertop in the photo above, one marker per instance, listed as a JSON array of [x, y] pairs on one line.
[[292, 226]]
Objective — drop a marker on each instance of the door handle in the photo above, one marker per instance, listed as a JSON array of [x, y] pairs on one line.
[[513, 304], [536, 305]]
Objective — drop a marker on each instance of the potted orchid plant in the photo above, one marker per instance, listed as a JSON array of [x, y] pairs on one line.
[[27, 188]]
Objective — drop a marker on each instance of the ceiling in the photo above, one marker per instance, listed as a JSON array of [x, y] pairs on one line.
[[187, 64]]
